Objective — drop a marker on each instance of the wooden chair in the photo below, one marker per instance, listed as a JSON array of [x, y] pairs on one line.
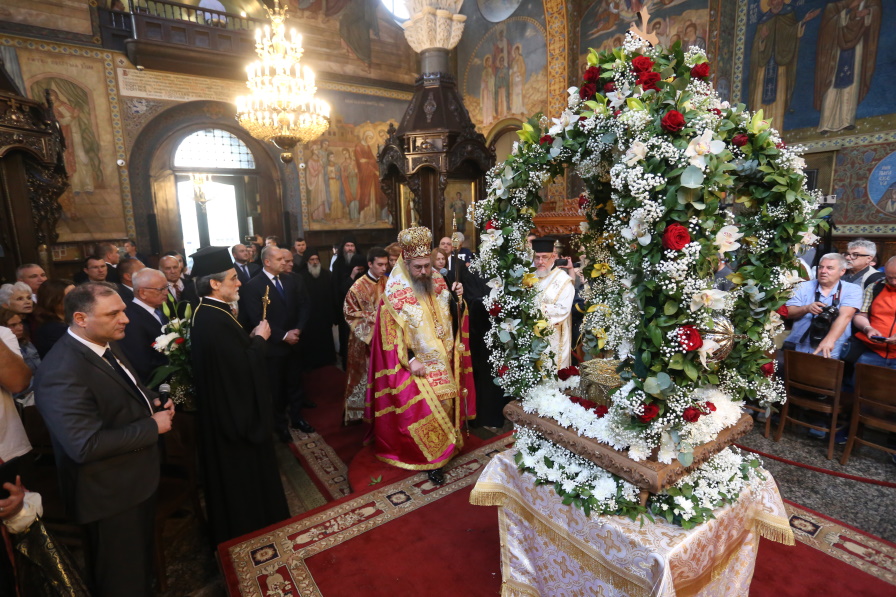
[[813, 383], [768, 420], [874, 405], [178, 488]]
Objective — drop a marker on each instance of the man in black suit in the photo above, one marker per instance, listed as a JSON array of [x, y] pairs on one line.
[[105, 437], [287, 315], [244, 269], [111, 257], [146, 320], [126, 271]]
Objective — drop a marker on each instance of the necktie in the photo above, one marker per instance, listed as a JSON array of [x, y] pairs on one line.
[[160, 315], [110, 358], [245, 270], [278, 286]]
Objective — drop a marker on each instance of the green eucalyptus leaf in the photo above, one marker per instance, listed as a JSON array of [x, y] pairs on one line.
[[692, 177]]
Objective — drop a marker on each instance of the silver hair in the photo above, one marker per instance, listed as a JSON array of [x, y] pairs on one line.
[[835, 257], [8, 290], [204, 284], [143, 278], [863, 243]]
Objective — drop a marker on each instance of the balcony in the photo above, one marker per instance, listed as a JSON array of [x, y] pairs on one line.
[[169, 36]]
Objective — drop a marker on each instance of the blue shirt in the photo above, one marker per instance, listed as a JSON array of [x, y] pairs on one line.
[[804, 294]]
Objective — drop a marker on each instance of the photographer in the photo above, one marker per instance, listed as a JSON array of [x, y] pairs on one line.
[[823, 309]]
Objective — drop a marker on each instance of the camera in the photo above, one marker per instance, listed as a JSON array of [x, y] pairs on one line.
[[821, 324]]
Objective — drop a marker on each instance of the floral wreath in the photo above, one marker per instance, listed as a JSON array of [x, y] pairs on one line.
[[676, 180]]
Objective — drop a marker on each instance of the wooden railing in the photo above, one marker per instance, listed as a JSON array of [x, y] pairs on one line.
[[193, 14]]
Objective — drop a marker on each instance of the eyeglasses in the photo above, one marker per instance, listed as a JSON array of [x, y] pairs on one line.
[[162, 289], [855, 255]]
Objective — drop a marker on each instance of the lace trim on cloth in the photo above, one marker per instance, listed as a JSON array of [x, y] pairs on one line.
[[354, 403]]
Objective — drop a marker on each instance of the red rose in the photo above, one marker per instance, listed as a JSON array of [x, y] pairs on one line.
[[490, 225], [608, 87], [768, 369], [691, 414], [648, 80], [710, 406], [583, 201], [700, 71], [716, 111], [575, 399], [587, 91], [588, 404], [650, 413], [617, 113], [673, 121], [592, 74], [689, 338], [676, 237], [546, 139], [642, 64], [781, 145], [495, 310], [601, 410], [740, 140], [567, 372], [179, 340], [503, 370], [783, 311]]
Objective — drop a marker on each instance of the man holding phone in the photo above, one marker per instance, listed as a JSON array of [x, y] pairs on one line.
[[876, 320], [555, 294]]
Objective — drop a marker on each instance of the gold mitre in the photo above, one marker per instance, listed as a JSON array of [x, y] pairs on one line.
[[415, 242]]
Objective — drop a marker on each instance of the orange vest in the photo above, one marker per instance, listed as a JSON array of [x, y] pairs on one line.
[[882, 317]]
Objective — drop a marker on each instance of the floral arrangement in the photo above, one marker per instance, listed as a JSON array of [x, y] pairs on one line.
[[174, 343], [675, 179]]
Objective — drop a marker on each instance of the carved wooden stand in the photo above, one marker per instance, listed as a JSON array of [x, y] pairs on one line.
[[648, 475]]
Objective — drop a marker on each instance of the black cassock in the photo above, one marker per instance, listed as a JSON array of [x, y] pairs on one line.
[[243, 492], [316, 346]]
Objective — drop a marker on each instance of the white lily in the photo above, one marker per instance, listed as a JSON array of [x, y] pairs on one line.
[[493, 237], [566, 122], [709, 299], [497, 285], [792, 278], [726, 238], [637, 229], [701, 146], [635, 153], [709, 347], [808, 238], [556, 147], [510, 325], [617, 98]]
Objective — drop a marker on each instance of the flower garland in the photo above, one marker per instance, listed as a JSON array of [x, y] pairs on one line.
[[675, 179]]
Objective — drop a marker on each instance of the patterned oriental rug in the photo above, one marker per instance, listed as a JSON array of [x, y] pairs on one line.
[[412, 538]]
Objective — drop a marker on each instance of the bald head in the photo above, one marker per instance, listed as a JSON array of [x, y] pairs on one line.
[[151, 286], [240, 253], [170, 266]]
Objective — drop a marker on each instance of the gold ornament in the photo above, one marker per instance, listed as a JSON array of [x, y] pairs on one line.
[[415, 242], [599, 378], [722, 333]]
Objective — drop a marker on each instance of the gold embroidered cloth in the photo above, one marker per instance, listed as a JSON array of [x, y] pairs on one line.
[[359, 310], [556, 294], [548, 548]]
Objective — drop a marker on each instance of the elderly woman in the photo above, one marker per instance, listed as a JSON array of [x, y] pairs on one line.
[[14, 322], [17, 298], [49, 315]]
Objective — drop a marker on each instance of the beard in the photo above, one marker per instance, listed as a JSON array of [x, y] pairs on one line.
[[314, 270], [348, 256], [542, 273], [423, 284]]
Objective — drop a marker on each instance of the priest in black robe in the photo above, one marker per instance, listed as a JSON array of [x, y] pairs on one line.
[[243, 491], [317, 348]]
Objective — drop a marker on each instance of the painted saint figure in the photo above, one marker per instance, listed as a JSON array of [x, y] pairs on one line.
[[517, 80], [502, 88], [847, 49], [773, 58], [487, 91]]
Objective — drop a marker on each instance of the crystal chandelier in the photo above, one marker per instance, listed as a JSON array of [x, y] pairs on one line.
[[281, 107]]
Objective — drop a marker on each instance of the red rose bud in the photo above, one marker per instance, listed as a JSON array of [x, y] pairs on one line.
[[710, 407], [495, 310], [575, 399], [587, 91], [567, 372], [783, 311], [691, 414], [179, 340], [740, 140], [648, 80], [592, 74], [583, 201], [601, 410], [689, 337], [768, 369], [546, 139], [700, 71], [650, 413], [642, 64], [617, 113], [490, 225], [781, 145], [608, 87], [716, 111], [673, 121], [676, 237], [503, 370], [588, 404]]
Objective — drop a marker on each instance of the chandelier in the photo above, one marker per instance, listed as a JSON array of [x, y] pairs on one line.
[[281, 107], [200, 181]]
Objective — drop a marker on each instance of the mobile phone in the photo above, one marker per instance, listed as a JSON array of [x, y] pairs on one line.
[[878, 338], [563, 262], [8, 472]]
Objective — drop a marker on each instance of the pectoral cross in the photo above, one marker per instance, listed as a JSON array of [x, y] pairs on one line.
[[265, 301]]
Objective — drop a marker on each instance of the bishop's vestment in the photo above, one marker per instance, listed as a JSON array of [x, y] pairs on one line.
[[556, 293]]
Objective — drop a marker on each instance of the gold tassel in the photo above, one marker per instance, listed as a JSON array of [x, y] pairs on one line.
[[479, 497], [774, 528]]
